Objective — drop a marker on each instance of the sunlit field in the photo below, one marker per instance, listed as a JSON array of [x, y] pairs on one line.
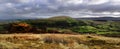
[[57, 41]]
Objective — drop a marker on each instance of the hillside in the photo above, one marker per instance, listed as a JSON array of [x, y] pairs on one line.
[[62, 25], [101, 18]]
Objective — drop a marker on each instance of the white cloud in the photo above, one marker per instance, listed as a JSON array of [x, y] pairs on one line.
[[116, 13], [90, 16], [53, 7], [75, 1], [25, 1], [115, 2], [9, 5], [27, 8], [96, 2], [106, 13]]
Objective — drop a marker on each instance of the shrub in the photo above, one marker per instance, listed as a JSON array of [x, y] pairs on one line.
[[19, 27], [85, 29]]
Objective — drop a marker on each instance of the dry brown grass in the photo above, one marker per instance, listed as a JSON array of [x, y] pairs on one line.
[[57, 41]]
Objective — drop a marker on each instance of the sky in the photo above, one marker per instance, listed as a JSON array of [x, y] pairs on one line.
[[20, 9]]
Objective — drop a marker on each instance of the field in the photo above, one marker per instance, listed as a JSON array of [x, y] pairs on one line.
[[57, 41], [60, 33]]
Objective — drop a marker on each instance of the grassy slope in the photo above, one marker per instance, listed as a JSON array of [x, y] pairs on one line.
[[57, 41]]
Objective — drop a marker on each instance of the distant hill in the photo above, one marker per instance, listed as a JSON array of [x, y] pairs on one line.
[[60, 18], [64, 18], [101, 18]]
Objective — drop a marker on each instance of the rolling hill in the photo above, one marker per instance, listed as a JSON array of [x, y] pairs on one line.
[[100, 18]]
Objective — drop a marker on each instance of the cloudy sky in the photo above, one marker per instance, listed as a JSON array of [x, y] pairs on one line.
[[16, 9]]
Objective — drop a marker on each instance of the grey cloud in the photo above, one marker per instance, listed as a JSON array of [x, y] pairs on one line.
[[42, 8]]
